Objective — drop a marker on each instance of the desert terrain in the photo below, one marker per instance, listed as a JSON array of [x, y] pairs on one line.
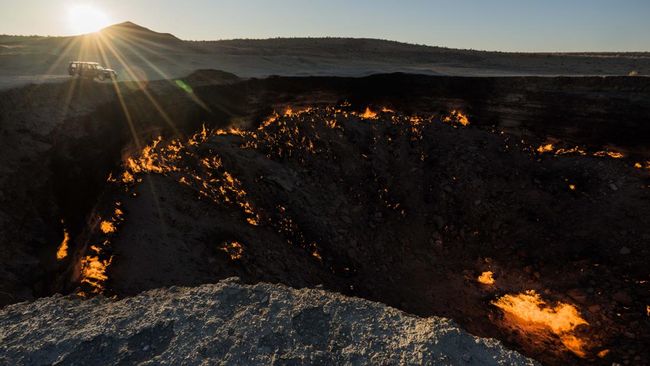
[[506, 192], [138, 53]]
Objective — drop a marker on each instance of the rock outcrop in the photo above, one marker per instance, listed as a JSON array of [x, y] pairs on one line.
[[235, 324]]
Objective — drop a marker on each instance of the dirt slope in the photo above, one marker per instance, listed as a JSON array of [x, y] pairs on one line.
[[233, 324]]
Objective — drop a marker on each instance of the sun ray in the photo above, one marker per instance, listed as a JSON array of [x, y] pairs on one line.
[[120, 98], [140, 83], [166, 76]]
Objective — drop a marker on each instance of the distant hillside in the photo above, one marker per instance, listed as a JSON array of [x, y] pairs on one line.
[[132, 30], [137, 52]]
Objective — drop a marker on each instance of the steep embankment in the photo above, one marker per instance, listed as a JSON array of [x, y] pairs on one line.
[[233, 324]]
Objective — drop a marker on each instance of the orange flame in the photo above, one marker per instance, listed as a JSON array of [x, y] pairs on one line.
[[93, 272], [62, 251], [529, 312], [234, 249], [486, 278], [646, 165], [369, 114], [545, 148], [611, 154], [107, 227], [456, 117]]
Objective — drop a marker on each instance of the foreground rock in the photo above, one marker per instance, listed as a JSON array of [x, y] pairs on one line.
[[231, 323]]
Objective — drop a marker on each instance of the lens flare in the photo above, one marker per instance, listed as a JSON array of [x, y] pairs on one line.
[[85, 18]]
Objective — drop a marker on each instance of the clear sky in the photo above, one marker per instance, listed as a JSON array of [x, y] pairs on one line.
[[507, 25]]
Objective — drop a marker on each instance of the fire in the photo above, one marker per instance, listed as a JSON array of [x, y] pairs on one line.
[[574, 150], [603, 353], [62, 251], [456, 117], [545, 148], [369, 114], [486, 278], [234, 249], [527, 311], [611, 154], [646, 165], [93, 272], [127, 178], [96, 261], [107, 227]]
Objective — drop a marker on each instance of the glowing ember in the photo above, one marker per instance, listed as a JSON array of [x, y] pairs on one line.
[[486, 278], [611, 154], [603, 353], [127, 177], [369, 114], [528, 312], [107, 227], [93, 272], [234, 250], [574, 150], [456, 117], [545, 148], [62, 252], [646, 165]]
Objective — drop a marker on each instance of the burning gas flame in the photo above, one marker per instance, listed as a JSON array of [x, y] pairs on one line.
[[62, 251], [234, 249], [550, 148], [369, 114], [545, 148], [527, 311], [645, 165], [107, 227], [93, 272], [96, 262], [486, 278], [611, 154], [456, 117]]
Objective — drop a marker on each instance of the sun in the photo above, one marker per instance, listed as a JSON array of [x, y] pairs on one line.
[[84, 18]]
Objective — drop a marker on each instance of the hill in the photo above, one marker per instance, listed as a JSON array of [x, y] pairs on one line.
[[137, 52]]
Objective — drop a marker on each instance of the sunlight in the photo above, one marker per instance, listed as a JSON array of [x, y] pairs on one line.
[[84, 18]]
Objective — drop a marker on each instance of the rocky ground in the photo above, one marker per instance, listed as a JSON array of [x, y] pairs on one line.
[[405, 205], [395, 208], [233, 324]]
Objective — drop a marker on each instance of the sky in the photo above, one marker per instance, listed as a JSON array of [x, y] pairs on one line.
[[501, 25]]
